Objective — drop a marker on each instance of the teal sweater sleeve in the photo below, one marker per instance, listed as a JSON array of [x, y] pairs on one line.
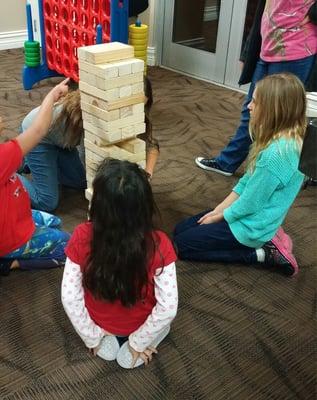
[[258, 190]]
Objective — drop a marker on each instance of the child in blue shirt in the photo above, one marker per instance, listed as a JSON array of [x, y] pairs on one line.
[[246, 226]]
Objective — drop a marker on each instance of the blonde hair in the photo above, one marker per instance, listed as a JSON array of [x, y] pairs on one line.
[[70, 118], [280, 111]]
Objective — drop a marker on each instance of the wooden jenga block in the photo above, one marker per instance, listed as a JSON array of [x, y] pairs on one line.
[[138, 66], [137, 88], [88, 194], [110, 137], [126, 91], [136, 157], [97, 140], [107, 95], [106, 52], [110, 126], [133, 146], [109, 71], [105, 84], [103, 151], [104, 71], [131, 131], [103, 114], [135, 99]]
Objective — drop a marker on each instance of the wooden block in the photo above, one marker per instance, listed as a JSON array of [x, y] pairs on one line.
[[107, 95], [138, 66], [135, 99], [97, 140], [137, 88], [98, 112], [103, 151], [110, 126], [108, 102], [105, 52], [133, 146], [132, 131], [126, 111], [104, 71], [106, 84], [103, 135], [126, 91], [137, 108], [109, 71], [137, 157], [88, 194]]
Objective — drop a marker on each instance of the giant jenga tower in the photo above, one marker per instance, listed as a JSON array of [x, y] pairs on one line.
[[112, 102]]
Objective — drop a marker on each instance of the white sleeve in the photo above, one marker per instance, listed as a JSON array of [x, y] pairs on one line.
[[165, 289], [74, 305]]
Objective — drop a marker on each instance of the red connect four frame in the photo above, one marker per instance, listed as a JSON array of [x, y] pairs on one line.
[[70, 24]]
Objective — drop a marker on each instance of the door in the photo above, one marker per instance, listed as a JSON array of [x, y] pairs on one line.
[[196, 37], [204, 38]]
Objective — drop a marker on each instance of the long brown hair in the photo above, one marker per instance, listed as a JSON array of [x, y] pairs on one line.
[[280, 111], [70, 118]]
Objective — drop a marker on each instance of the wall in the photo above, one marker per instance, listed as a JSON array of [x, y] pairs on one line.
[[12, 24]]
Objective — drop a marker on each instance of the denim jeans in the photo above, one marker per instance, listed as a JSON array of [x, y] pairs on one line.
[[45, 249], [50, 166], [233, 155], [210, 242]]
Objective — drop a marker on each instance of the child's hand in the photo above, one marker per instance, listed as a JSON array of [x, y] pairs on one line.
[[145, 355], [59, 90], [94, 350], [211, 218]]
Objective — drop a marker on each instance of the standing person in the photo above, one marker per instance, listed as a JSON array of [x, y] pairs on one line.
[[29, 240], [119, 287], [287, 43], [245, 227], [56, 159]]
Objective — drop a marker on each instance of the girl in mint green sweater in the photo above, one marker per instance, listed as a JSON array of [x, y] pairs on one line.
[[246, 226]]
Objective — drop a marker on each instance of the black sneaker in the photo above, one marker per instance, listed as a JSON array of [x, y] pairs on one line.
[[274, 258], [210, 164]]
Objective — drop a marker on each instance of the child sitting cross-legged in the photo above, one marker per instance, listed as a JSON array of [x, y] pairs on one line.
[[119, 287]]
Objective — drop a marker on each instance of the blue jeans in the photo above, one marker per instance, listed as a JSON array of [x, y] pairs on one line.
[[46, 247], [210, 242], [50, 166], [233, 155]]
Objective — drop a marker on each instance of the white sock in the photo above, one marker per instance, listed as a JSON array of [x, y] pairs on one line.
[[260, 255]]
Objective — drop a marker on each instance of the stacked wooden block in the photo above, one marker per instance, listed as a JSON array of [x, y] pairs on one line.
[[112, 102]]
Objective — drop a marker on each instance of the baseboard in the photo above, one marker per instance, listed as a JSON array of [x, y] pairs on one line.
[[311, 104], [13, 39], [211, 13], [151, 56]]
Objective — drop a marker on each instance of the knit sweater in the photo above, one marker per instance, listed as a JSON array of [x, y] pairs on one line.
[[266, 194]]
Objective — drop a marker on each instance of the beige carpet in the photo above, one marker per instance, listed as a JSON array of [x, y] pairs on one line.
[[240, 333]]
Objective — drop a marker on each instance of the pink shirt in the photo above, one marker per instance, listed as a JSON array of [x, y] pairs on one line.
[[284, 36]]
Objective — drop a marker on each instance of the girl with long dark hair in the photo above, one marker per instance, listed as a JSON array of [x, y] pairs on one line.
[[119, 284]]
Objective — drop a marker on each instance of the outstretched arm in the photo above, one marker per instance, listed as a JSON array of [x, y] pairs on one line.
[[39, 128]]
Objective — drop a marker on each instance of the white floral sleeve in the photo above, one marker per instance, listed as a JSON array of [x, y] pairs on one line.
[[74, 305], [166, 294]]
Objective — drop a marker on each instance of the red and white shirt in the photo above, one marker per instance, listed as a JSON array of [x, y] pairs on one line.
[[16, 223], [92, 318]]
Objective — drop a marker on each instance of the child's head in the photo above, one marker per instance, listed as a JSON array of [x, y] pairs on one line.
[[71, 118], [121, 213], [278, 108]]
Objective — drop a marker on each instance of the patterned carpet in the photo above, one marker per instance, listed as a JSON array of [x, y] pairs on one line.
[[240, 333]]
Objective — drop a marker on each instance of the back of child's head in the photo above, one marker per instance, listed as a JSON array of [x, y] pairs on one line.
[[70, 118], [279, 111], [121, 214], [280, 108]]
